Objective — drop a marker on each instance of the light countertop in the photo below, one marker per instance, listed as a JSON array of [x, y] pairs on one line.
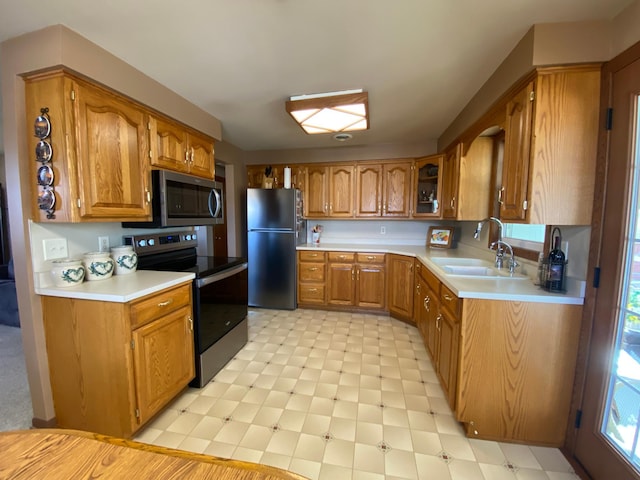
[[120, 288], [506, 289]]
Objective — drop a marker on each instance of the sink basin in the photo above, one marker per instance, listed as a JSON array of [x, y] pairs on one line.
[[474, 267], [461, 262], [475, 271]]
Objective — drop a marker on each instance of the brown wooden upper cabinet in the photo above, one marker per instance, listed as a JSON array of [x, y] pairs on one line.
[[175, 147], [550, 147], [383, 189], [427, 187], [100, 150], [467, 180], [329, 191]]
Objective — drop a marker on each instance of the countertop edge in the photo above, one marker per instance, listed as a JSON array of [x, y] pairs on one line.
[[481, 289], [120, 288]]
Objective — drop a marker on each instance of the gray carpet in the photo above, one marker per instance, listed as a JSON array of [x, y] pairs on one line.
[[15, 401]]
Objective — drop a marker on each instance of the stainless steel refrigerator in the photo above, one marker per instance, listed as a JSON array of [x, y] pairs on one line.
[[274, 228]]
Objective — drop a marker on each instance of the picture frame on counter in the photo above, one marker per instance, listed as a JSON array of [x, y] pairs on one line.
[[440, 237]]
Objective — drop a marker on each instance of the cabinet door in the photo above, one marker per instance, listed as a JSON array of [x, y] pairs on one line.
[[369, 190], [255, 174], [341, 191], [169, 145], [298, 173], [396, 201], [450, 174], [421, 307], [448, 344], [163, 360], [112, 155], [341, 284], [431, 324], [316, 203], [370, 283], [427, 187], [400, 286], [201, 156], [517, 146]]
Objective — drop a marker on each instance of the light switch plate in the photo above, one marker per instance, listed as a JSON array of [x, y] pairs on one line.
[[55, 248]]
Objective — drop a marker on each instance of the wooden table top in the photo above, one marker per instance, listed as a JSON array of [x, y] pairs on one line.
[[55, 454]]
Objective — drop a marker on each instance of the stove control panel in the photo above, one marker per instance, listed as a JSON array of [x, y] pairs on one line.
[[145, 244]]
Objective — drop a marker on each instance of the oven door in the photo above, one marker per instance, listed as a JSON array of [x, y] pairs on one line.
[[220, 304]]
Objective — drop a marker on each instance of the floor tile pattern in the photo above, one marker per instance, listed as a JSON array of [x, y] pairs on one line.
[[333, 395]]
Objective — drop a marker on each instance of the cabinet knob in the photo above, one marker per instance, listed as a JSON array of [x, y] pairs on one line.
[[438, 321]]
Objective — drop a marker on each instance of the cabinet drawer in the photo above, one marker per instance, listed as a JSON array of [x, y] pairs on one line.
[[342, 256], [311, 294], [430, 278], [370, 257], [311, 272], [156, 306], [310, 256], [450, 301]]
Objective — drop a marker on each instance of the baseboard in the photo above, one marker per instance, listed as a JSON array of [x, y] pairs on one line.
[[41, 423]]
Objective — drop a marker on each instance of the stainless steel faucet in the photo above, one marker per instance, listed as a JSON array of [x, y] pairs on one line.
[[481, 223], [498, 244]]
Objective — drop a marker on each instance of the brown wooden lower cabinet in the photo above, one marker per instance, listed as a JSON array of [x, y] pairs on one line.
[[400, 286], [437, 316], [311, 278], [354, 281], [516, 370], [506, 367], [115, 365]]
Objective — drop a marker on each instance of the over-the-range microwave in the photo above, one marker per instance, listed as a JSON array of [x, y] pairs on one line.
[[180, 200]]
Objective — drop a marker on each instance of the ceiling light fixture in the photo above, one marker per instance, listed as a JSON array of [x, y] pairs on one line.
[[331, 112]]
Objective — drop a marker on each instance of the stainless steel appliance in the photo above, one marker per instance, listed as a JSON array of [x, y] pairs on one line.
[[183, 200], [219, 295], [274, 228]]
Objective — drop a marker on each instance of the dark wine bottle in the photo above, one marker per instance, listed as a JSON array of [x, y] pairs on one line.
[[555, 275]]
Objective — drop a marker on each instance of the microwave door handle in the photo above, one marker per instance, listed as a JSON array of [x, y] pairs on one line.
[[212, 193]]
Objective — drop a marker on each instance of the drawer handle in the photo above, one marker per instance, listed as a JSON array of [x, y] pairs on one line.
[[313, 289], [370, 257], [313, 269], [166, 303], [341, 257], [447, 297]]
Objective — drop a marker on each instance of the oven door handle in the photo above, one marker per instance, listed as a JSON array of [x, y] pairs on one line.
[[216, 277]]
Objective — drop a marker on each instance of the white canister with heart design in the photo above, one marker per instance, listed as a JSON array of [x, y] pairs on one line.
[[98, 265], [67, 272], [125, 259]]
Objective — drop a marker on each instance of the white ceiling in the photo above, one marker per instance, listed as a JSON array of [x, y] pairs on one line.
[[420, 60]]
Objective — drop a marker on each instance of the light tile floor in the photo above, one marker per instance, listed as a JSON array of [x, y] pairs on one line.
[[337, 396]]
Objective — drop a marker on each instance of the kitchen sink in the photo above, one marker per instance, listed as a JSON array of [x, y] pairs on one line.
[[474, 267], [462, 262]]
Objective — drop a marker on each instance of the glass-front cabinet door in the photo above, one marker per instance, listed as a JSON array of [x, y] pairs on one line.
[[427, 187]]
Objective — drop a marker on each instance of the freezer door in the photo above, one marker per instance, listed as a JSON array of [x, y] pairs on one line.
[[272, 269], [271, 208]]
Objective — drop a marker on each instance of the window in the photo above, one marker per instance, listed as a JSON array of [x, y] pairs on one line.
[[530, 237]]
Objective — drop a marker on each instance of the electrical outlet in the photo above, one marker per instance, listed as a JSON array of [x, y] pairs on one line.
[[383, 231], [55, 248], [103, 244]]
